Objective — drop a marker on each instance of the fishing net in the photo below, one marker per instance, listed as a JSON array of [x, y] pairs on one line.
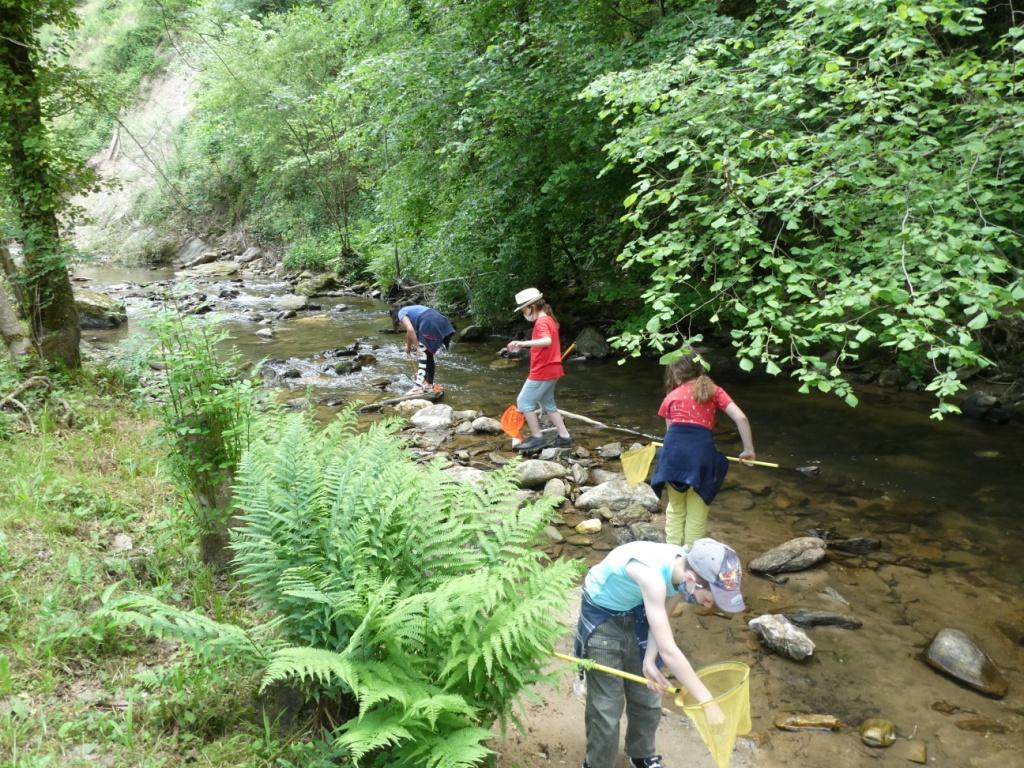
[[729, 684], [636, 463], [512, 421]]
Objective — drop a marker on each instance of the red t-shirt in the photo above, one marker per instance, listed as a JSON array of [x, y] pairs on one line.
[[546, 362], [679, 407]]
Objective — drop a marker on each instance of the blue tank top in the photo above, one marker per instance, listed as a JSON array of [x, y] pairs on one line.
[[610, 586]]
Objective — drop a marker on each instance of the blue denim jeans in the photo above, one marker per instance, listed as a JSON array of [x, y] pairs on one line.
[[613, 644]]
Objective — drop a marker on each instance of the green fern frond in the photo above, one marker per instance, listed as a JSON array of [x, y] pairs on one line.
[[314, 664], [463, 748]]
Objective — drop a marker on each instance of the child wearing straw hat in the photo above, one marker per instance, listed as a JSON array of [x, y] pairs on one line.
[[689, 464], [624, 623], [538, 393]]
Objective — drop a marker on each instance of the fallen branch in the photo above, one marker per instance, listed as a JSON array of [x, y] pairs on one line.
[[33, 382]]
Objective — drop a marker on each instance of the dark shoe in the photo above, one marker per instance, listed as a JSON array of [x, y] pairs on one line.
[[654, 761], [533, 444], [561, 442]]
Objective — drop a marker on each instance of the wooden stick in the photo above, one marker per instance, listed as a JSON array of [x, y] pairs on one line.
[[601, 425]]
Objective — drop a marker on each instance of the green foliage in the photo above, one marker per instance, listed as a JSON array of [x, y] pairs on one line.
[[828, 179], [208, 419], [417, 598]]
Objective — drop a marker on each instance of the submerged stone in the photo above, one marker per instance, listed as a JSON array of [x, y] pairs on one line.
[[808, 722], [877, 732], [807, 617], [954, 653], [795, 555], [779, 634]]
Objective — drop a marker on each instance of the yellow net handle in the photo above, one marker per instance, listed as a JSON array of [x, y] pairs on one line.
[[738, 460], [611, 671]]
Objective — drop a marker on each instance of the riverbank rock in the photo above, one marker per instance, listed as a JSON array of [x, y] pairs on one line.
[[807, 617], [212, 270], [955, 654], [433, 417], [412, 406], [316, 285], [877, 732], [291, 302], [808, 722], [610, 451], [487, 426], [469, 475], [617, 495], [249, 255], [593, 525], [535, 473], [634, 513], [985, 407], [591, 344], [794, 555], [598, 476], [779, 634], [97, 311], [190, 250], [471, 333], [555, 487]]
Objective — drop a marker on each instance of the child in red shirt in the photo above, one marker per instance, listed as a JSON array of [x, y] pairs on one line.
[[538, 393], [689, 464]]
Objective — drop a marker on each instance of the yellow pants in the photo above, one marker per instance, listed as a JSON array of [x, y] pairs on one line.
[[686, 517]]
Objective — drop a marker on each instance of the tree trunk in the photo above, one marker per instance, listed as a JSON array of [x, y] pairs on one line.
[[10, 328], [45, 285]]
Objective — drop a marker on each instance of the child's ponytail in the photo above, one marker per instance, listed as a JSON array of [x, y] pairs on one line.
[[686, 369]]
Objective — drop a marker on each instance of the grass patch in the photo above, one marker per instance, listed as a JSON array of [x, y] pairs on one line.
[[75, 689]]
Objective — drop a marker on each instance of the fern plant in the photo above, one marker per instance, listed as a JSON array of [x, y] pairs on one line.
[[416, 598]]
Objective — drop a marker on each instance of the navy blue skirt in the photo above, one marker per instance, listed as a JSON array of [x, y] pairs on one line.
[[689, 459]]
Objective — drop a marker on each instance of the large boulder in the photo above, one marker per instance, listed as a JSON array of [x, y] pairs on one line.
[[213, 270], [292, 302], [250, 254], [97, 310], [487, 425], [472, 333], [433, 417], [617, 495], [776, 632], [190, 250], [794, 555], [316, 285], [954, 653], [534, 473], [590, 343]]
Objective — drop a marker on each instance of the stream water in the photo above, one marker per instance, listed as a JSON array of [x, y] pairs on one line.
[[944, 498]]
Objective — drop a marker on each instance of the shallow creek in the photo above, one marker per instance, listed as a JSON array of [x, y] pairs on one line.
[[944, 499]]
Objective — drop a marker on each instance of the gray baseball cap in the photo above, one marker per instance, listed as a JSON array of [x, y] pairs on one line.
[[719, 566]]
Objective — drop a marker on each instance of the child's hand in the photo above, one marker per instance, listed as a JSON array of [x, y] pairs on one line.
[[656, 681], [514, 346], [714, 714], [747, 456]]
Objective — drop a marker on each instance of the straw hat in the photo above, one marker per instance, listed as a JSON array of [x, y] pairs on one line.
[[527, 297]]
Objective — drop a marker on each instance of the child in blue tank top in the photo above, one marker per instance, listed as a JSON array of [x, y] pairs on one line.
[[627, 599]]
